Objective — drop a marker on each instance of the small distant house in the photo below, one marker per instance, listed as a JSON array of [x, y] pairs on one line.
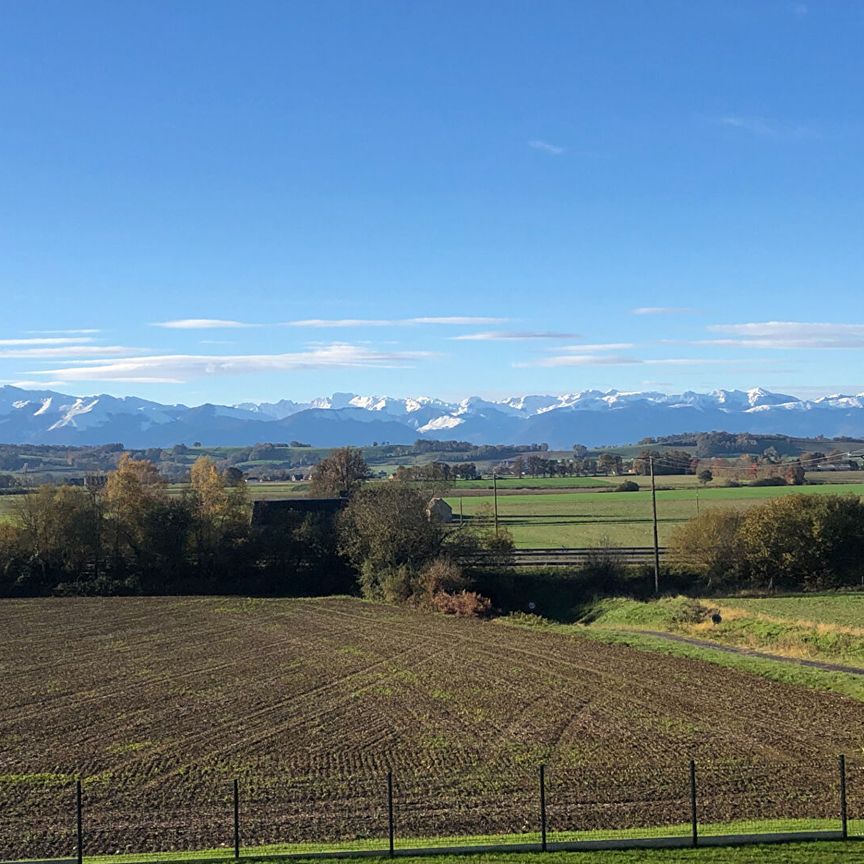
[[438, 510]]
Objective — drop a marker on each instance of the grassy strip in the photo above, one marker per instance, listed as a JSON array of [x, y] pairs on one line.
[[786, 673], [839, 609], [764, 826], [792, 853], [748, 624]]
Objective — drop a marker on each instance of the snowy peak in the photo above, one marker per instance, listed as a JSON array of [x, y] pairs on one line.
[[588, 416]]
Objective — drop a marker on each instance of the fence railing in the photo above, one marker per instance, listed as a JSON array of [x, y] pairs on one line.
[[576, 556], [194, 815]]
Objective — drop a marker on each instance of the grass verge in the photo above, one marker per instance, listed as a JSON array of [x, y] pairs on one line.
[[786, 673], [379, 844], [819, 627]]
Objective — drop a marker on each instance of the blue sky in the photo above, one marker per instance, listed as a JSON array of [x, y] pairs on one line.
[[214, 201]]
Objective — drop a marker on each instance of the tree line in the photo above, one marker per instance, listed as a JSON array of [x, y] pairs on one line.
[[793, 542], [133, 534]]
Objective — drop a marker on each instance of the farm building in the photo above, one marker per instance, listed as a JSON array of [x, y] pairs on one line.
[[438, 510], [270, 514]]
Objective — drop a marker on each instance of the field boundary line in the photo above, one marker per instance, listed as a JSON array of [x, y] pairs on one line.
[[823, 665], [610, 845]]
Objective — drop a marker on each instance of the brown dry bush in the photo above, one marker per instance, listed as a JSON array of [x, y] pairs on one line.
[[466, 604], [442, 575]]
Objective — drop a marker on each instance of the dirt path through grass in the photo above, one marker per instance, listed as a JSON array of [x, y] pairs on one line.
[[748, 652]]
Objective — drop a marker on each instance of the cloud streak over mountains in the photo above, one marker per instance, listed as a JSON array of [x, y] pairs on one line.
[[41, 340], [178, 368], [514, 336], [664, 310], [788, 335], [451, 320], [77, 358], [203, 324]]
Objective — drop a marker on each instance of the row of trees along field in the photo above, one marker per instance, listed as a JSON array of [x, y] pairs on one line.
[[794, 542], [133, 534]]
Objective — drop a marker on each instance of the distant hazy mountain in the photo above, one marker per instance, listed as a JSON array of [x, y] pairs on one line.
[[589, 417]]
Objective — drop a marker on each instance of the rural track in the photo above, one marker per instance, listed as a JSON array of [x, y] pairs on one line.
[[824, 665]]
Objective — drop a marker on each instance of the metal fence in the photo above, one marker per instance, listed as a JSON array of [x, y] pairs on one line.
[[54, 816]]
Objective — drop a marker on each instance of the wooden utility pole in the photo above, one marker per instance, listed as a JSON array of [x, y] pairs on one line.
[[495, 498], [656, 542]]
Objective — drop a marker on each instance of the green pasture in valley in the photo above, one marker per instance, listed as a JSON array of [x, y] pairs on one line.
[[588, 518], [538, 483]]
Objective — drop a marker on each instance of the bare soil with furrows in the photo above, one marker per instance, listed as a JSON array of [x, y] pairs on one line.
[[159, 703]]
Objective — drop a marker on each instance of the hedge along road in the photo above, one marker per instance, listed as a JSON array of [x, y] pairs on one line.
[[620, 518]]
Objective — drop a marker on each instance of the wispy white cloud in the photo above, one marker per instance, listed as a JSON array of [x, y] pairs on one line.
[[81, 331], [592, 359], [545, 147], [590, 348], [452, 320], [664, 310], [762, 127], [581, 360], [177, 368], [48, 340], [71, 352], [455, 319], [788, 335], [514, 336], [586, 354], [36, 385], [695, 361], [202, 324], [340, 322]]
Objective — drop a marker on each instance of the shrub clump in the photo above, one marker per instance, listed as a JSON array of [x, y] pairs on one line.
[[691, 612], [467, 604], [770, 481], [795, 542]]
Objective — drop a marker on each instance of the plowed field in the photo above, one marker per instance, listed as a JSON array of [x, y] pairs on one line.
[[159, 703]]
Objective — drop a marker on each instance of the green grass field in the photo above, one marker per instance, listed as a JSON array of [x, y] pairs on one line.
[[379, 845], [539, 483], [841, 610], [586, 518], [797, 853]]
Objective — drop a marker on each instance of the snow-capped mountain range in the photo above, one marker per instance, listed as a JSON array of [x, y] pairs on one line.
[[588, 417]]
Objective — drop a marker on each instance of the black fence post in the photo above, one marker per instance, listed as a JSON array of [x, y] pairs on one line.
[[694, 821], [543, 807], [79, 819], [236, 820], [390, 822], [844, 822]]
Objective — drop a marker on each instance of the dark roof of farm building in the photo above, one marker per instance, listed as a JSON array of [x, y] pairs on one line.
[[267, 512]]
